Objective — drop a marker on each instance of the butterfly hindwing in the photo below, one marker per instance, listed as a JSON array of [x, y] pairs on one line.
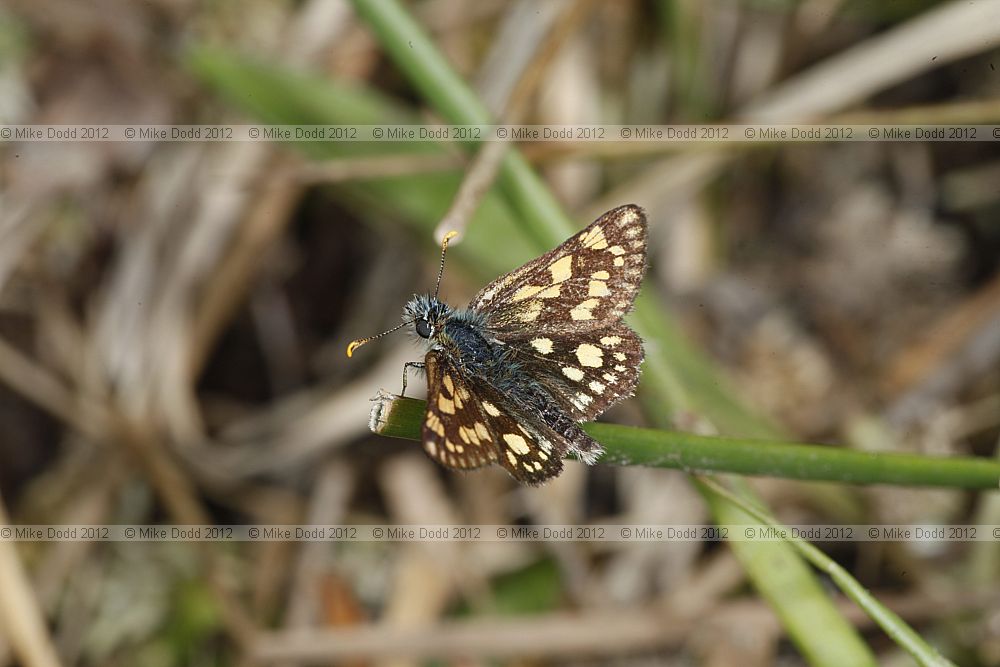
[[584, 373], [587, 283]]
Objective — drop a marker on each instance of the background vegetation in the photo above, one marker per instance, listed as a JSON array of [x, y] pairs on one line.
[[173, 318]]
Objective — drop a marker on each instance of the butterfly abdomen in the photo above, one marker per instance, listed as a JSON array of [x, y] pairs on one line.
[[545, 407]]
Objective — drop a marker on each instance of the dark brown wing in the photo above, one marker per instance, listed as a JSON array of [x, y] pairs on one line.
[[468, 425], [589, 282], [585, 373], [455, 432]]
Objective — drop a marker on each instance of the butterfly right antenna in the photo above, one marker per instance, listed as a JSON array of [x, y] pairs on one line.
[[444, 248]]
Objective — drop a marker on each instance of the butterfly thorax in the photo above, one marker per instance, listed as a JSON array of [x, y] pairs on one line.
[[462, 336]]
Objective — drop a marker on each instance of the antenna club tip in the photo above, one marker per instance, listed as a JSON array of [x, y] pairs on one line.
[[449, 236], [353, 345]]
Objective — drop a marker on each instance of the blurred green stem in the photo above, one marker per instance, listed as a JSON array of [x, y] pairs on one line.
[[428, 70], [888, 620]]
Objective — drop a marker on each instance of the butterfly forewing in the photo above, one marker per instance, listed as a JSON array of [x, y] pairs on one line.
[[587, 283], [527, 448], [585, 373], [532, 453], [469, 424], [455, 431]]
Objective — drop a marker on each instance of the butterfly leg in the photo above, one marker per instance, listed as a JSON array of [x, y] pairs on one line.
[[410, 364]]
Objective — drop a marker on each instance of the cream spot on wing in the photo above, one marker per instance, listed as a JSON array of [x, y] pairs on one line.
[[550, 293], [543, 345], [511, 458], [637, 244], [597, 288], [610, 341], [448, 384], [431, 447], [526, 292], [590, 355], [616, 250], [628, 216], [561, 269], [620, 368], [611, 377], [449, 444], [583, 311], [538, 466], [463, 435], [459, 448], [445, 405], [481, 431], [463, 393], [517, 443], [542, 455], [585, 399], [491, 409], [620, 356], [527, 466], [596, 387], [531, 314], [619, 261], [594, 239], [573, 373], [600, 275], [632, 232]]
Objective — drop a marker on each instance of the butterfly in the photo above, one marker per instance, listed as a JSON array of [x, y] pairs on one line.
[[537, 351]]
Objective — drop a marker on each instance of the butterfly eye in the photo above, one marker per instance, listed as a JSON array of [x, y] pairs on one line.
[[423, 328]]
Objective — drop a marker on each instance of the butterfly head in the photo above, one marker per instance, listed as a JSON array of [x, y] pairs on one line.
[[428, 315]]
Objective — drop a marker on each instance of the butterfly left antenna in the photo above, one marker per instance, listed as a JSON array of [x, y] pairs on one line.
[[355, 344]]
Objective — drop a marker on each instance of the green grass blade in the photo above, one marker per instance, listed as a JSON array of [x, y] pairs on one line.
[[888, 620], [786, 582], [627, 445]]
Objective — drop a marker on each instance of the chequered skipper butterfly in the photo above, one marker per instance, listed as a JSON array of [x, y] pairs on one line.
[[537, 351]]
